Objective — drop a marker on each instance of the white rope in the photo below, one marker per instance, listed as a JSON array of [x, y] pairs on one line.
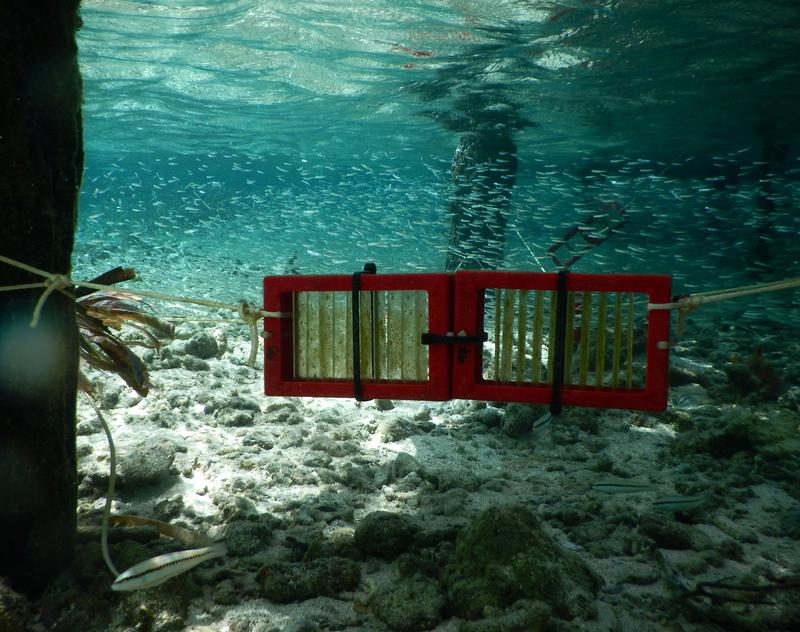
[[24, 266], [715, 296], [251, 317], [59, 282], [535, 258], [24, 286], [143, 293], [686, 304], [112, 477], [55, 282], [177, 299]]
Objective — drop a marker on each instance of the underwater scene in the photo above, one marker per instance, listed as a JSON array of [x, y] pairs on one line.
[[566, 397]]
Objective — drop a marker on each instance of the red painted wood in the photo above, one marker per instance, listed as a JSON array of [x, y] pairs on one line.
[[278, 344], [456, 304], [468, 382]]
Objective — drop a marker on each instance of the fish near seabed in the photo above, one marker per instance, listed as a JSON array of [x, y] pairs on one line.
[[622, 487], [159, 569], [680, 503]]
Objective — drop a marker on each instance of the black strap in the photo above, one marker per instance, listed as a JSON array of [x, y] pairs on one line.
[[369, 268], [428, 338], [560, 342]]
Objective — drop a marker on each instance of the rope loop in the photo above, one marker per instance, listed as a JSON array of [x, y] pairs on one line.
[[251, 316], [53, 283], [248, 314]]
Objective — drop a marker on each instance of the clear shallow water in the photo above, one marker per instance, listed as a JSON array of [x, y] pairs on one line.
[[261, 137]]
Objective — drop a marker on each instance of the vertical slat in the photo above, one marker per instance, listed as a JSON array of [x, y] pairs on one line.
[[570, 338], [299, 334], [394, 355], [586, 321], [522, 333], [551, 337], [497, 327], [422, 325], [509, 298], [410, 340], [367, 335], [339, 335], [536, 351], [348, 339], [335, 335], [617, 339], [325, 335], [600, 356], [629, 359], [312, 346], [383, 334], [296, 342]]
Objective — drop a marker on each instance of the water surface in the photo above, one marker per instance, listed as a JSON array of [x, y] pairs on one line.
[[314, 136]]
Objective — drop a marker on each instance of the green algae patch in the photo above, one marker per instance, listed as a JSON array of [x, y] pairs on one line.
[[411, 604], [285, 582], [523, 616], [772, 435], [504, 556], [385, 534]]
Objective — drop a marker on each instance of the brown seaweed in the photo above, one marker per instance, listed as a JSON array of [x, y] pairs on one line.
[[100, 311]]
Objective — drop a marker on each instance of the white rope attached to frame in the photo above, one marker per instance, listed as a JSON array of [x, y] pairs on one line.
[[688, 303], [57, 282]]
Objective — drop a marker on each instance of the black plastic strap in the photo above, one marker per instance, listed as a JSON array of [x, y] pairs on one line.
[[560, 342], [369, 268], [428, 338]]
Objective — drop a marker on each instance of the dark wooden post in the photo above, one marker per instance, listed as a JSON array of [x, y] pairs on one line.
[[41, 162], [484, 172]]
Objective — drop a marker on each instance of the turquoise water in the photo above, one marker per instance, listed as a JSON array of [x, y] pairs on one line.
[[227, 140]]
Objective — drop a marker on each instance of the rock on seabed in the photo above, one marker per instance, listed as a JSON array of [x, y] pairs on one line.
[[504, 556]]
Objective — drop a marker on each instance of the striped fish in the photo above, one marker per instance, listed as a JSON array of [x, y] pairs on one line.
[[159, 569], [679, 503], [622, 487], [545, 421]]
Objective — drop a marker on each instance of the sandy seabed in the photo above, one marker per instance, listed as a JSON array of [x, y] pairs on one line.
[[305, 492]]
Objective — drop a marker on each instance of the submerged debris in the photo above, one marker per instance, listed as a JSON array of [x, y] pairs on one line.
[[755, 377]]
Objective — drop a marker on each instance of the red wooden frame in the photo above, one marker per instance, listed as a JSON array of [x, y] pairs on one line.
[[278, 346], [456, 304], [469, 308]]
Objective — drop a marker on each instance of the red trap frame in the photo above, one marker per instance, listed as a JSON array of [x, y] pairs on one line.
[[424, 337]]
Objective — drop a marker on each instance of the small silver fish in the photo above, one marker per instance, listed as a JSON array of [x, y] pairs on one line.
[[543, 422], [679, 503], [622, 487], [159, 569]]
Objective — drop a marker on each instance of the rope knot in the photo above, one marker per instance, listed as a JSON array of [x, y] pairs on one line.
[[248, 314], [251, 316], [53, 283]]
